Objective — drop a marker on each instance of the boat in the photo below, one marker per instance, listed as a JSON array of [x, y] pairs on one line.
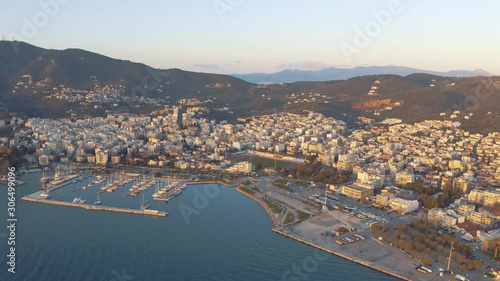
[[143, 204], [183, 185], [57, 175], [98, 202], [157, 192], [178, 191], [44, 178], [77, 200], [82, 201], [44, 195]]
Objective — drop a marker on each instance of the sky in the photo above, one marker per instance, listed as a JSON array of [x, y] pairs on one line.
[[244, 36]]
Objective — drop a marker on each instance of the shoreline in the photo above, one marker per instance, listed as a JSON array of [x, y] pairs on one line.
[[271, 215], [360, 262], [299, 239]]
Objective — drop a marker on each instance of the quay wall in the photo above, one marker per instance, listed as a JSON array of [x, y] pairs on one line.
[[363, 263], [95, 208]]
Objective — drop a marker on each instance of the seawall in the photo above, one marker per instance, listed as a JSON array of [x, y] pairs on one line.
[[273, 218], [363, 263]]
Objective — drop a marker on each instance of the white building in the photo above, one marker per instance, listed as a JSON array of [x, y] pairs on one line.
[[242, 167], [403, 206], [404, 178]]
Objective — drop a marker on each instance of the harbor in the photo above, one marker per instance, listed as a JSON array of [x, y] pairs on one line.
[[111, 192], [113, 236], [359, 246]]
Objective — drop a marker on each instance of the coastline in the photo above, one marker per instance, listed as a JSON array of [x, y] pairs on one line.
[[277, 230], [271, 215], [358, 261]]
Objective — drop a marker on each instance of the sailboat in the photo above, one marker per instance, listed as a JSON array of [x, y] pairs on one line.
[[98, 202], [57, 175], [44, 178], [44, 194], [157, 191], [143, 204]]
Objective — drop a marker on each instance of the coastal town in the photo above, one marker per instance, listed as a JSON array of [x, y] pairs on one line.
[[389, 173]]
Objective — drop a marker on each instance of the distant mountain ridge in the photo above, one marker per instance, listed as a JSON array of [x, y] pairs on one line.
[[413, 97], [333, 73]]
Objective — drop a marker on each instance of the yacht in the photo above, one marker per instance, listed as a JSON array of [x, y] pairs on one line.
[[77, 200], [45, 178], [44, 195]]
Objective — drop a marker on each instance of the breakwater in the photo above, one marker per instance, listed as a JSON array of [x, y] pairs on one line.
[[98, 208]]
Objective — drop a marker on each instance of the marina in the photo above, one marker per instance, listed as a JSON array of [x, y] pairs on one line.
[[45, 235], [97, 192]]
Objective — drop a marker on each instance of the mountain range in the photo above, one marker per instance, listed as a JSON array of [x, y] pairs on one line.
[[332, 73], [474, 101]]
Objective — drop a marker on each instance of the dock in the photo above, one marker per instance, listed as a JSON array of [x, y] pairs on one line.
[[51, 188], [98, 208], [163, 198]]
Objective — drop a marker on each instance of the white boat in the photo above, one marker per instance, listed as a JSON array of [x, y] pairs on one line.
[[44, 195], [45, 178], [77, 200], [57, 175]]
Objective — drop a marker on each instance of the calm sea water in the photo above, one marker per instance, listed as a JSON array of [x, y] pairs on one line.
[[228, 237]]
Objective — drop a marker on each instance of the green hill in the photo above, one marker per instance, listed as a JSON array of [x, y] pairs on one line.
[[415, 97]]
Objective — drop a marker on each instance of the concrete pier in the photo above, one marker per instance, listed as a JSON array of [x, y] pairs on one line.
[[97, 208]]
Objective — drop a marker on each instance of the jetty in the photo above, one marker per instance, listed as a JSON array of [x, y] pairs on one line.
[[147, 212]]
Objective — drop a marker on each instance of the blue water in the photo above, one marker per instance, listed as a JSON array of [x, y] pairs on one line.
[[228, 237]]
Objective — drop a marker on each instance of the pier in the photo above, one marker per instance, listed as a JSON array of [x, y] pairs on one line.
[[98, 208]]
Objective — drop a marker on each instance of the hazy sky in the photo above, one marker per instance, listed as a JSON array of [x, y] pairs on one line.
[[241, 36]]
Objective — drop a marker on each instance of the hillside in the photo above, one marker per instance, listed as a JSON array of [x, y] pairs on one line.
[[55, 83]]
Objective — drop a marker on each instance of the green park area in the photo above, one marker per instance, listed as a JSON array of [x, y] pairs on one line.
[[261, 162]]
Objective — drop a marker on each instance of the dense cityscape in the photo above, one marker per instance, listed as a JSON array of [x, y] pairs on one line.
[[249, 140], [446, 175]]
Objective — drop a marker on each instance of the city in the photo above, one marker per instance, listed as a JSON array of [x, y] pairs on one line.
[[249, 140]]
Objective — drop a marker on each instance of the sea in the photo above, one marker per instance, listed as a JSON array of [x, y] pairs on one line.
[[212, 232]]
